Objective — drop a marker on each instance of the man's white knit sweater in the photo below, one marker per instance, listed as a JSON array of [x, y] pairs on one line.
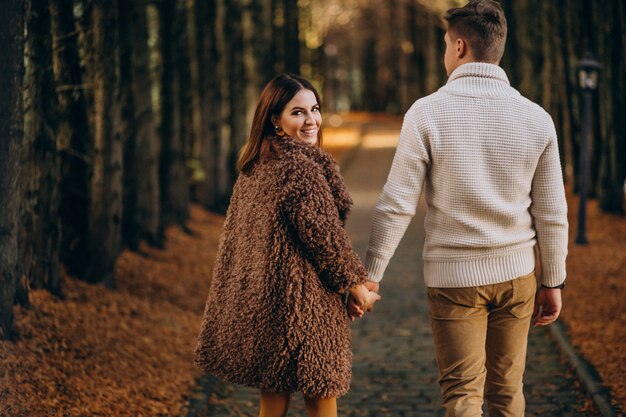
[[488, 161]]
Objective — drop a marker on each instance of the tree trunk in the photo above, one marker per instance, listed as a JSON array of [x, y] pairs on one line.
[[552, 64], [394, 77], [510, 60], [107, 181], [613, 171], [291, 37], [168, 117], [195, 67], [220, 99], [87, 56], [73, 141], [261, 40], [277, 50], [172, 177], [417, 68], [39, 243], [182, 149], [562, 110], [598, 46], [236, 83], [571, 56], [141, 195], [563, 86], [528, 33], [545, 53], [370, 76], [433, 57], [130, 218], [209, 58], [11, 131]]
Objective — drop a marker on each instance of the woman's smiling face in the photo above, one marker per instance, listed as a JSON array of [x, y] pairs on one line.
[[301, 118]]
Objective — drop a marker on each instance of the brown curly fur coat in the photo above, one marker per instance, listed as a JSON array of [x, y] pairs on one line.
[[274, 318]]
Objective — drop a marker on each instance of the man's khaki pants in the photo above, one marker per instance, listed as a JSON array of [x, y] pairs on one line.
[[480, 337]]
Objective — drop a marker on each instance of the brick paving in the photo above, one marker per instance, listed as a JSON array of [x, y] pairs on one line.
[[394, 370]]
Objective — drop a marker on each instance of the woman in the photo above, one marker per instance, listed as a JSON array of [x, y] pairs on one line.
[[274, 318]]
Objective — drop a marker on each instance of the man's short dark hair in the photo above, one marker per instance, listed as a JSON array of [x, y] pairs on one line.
[[483, 25]]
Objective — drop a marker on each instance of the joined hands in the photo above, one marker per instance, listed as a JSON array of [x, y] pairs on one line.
[[362, 299]]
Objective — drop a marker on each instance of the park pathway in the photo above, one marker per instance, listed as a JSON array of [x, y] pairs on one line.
[[394, 370]]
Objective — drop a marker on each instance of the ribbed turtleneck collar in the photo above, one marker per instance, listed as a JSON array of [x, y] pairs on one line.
[[479, 79]]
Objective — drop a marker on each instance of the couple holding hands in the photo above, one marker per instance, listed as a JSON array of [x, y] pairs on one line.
[[487, 161]]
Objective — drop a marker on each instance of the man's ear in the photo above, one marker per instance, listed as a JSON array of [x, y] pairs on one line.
[[461, 48]]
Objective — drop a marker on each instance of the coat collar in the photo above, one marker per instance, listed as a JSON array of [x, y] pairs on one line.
[[328, 165]]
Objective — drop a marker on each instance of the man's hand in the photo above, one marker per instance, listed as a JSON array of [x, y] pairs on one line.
[[372, 286], [547, 306]]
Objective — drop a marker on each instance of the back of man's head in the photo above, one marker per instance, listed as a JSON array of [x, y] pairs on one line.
[[482, 24]]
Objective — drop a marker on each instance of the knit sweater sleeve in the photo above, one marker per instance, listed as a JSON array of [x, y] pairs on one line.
[[398, 201], [549, 212], [310, 210]]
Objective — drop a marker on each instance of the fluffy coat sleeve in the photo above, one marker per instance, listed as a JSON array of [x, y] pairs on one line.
[[309, 208]]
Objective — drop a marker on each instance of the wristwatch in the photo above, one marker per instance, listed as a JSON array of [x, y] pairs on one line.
[[560, 287]]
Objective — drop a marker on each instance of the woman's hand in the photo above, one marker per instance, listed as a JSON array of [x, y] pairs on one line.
[[361, 300]]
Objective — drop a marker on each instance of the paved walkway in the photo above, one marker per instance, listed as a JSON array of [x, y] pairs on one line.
[[394, 370]]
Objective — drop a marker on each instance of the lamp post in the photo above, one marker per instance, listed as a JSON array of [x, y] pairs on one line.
[[588, 69]]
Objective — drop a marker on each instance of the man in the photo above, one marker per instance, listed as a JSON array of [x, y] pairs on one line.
[[488, 162]]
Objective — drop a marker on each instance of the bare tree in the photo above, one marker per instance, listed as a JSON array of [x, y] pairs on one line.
[[172, 170], [261, 42], [105, 220], [291, 36], [40, 231], [11, 130], [210, 73], [237, 100], [141, 145], [130, 217], [73, 140], [612, 161]]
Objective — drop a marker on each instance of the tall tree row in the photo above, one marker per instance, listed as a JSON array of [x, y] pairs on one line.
[[383, 56], [546, 41], [115, 116]]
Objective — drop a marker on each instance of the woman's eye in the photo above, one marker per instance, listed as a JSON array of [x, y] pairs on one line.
[[315, 109], [297, 113]]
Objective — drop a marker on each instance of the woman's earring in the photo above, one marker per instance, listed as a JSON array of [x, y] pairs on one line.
[[277, 129]]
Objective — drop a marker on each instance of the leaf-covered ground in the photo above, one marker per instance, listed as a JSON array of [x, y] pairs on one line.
[[123, 352], [594, 301]]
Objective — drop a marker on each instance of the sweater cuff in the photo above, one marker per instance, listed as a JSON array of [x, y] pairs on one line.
[[553, 275], [375, 267]]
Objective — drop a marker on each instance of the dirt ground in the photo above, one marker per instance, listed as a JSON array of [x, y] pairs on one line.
[[129, 351]]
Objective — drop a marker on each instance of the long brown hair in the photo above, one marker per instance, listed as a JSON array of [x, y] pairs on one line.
[[275, 96]]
